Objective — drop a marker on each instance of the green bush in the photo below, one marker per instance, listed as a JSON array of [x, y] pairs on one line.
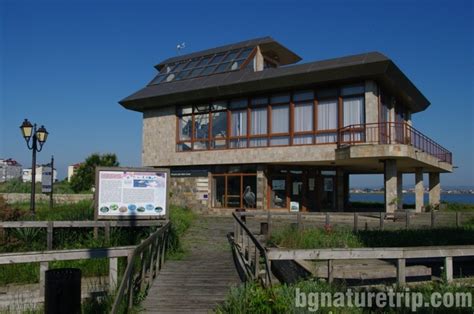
[[181, 219]]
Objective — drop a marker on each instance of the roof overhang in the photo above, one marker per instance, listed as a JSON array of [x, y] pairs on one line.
[[246, 82]]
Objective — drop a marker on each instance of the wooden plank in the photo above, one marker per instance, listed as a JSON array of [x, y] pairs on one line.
[[44, 266], [81, 223], [401, 271], [49, 236], [448, 268], [113, 271]]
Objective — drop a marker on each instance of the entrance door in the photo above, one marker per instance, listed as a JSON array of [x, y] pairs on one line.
[[296, 190], [311, 194], [328, 190]]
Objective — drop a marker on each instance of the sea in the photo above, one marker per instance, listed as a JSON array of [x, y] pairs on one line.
[[409, 198]]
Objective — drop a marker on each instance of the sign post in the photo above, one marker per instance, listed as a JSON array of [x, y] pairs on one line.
[[47, 181], [131, 193]]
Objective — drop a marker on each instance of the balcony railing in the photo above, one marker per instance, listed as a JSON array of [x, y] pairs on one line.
[[392, 133]]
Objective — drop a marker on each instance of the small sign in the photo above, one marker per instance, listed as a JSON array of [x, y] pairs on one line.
[[278, 185], [131, 193], [46, 176], [294, 206], [189, 173]]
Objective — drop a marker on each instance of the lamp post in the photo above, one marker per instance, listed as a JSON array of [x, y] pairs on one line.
[[38, 138]]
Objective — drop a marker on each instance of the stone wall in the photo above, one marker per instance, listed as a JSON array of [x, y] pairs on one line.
[[192, 192], [58, 198]]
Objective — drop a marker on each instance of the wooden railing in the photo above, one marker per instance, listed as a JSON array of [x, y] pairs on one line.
[[150, 255], [96, 225], [251, 254], [400, 254], [392, 133]]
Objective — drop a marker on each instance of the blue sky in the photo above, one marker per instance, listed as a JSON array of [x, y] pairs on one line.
[[65, 64]]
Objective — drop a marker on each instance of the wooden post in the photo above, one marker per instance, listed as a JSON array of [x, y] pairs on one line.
[[432, 219], [143, 263], [401, 274], [448, 268], [49, 240], [269, 221], [382, 220], [113, 270], [298, 221], [96, 233], [330, 271], [458, 219], [256, 261], [356, 222], [328, 218], [107, 231], [130, 281], [44, 266]]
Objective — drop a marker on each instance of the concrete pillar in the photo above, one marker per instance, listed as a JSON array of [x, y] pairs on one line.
[[390, 180], [419, 190], [435, 189], [400, 190], [340, 193], [261, 188]]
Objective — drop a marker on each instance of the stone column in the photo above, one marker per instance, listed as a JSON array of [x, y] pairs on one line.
[[435, 189], [261, 187], [419, 190], [340, 190], [400, 190], [390, 177], [371, 108]]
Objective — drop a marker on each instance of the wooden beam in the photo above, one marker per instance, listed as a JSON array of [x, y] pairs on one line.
[[448, 268], [401, 271]]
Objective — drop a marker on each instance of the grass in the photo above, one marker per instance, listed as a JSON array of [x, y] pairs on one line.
[[181, 219], [252, 298], [310, 238]]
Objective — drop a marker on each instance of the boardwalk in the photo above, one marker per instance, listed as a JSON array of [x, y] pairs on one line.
[[202, 278]]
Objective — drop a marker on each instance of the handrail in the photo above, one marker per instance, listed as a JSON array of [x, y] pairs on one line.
[[155, 245], [252, 262], [392, 133]]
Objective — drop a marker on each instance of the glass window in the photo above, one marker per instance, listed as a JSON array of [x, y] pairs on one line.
[[258, 142], [303, 95], [245, 53], [231, 55], [201, 145], [182, 147], [218, 191], [192, 64], [222, 67], [259, 101], [327, 114], [204, 61], [352, 90], [182, 74], [325, 93], [219, 124], [219, 105], [303, 139], [280, 119], [279, 140], [280, 98], [201, 126], [180, 66], [353, 111], [278, 193], [236, 65], [238, 103], [208, 70], [218, 58], [157, 79], [185, 110], [195, 72], [238, 143], [249, 195], [201, 108], [238, 123], [303, 115], [258, 118], [233, 191], [170, 77], [185, 129]]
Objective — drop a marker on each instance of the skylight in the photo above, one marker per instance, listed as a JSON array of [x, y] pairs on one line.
[[221, 62]]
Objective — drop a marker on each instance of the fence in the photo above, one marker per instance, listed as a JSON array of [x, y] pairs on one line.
[[150, 255]]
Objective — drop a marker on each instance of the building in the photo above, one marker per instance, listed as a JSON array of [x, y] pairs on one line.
[[9, 169], [71, 170], [246, 125], [26, 174]]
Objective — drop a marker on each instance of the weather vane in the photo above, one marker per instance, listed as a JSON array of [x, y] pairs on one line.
[[179, 47]]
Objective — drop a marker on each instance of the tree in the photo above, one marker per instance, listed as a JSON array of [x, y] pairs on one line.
[[83, 179]]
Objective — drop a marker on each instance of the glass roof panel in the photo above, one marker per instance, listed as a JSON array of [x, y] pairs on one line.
[[245, 53], [192, 64], [231, 55], [222, 67], [208, 70], [217, 58]]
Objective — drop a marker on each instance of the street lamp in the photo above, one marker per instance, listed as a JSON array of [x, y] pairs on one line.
[[38, 137]]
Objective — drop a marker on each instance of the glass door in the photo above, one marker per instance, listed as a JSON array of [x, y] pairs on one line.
[[328, 190], [296, 190]]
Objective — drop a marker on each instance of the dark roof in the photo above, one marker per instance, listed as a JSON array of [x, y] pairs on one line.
[[372, 65], [267, 44]]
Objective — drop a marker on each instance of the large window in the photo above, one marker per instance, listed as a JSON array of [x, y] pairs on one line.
[[298, 118], [234, 190]]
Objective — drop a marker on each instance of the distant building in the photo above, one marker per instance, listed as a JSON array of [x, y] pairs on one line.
[[71, 170], [9, 169], [26, 174]]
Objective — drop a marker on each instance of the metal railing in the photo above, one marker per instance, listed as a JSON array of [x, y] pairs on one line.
[[251, 254], [392, 133]]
